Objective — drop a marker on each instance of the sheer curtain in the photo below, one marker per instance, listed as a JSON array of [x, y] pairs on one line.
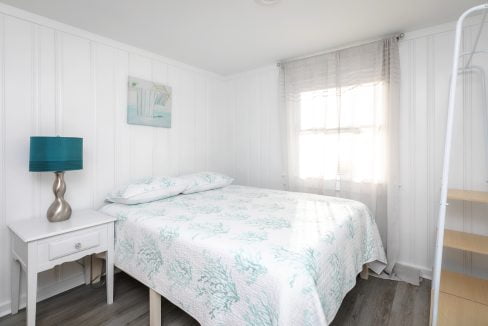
[[342, 129]]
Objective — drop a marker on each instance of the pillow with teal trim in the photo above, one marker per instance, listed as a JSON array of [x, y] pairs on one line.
[[204, 181], [147, 190]]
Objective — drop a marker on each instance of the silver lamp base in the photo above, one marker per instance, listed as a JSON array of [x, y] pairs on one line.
[[59, 210]]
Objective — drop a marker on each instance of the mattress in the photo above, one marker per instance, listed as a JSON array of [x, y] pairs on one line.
[[248, 256]]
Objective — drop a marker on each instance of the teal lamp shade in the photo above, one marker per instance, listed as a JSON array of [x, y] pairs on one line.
[[55, 154]]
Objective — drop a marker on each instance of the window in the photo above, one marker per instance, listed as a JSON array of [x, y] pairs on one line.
[[341, 133]]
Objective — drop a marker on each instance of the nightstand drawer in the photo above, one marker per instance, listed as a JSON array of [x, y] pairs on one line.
[[61, 248], [71, 246]]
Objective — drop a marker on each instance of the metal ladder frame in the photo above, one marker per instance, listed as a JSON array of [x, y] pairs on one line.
[[447, 154]]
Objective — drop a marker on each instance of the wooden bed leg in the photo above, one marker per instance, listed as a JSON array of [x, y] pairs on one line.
[[364, 273], [154, 308], [96, 270], [87, 269]]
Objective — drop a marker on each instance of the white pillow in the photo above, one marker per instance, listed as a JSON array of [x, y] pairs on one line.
[[147, 190], [205, 181]]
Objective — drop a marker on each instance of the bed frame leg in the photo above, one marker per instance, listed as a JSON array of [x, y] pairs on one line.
[[154, 308], [364, 273]]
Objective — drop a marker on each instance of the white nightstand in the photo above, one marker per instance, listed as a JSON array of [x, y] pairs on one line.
[[38, 245]]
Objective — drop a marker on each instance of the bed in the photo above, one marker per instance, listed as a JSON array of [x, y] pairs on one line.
[[248, 256]]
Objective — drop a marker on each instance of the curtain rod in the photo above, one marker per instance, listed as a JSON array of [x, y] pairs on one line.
[[397, 36]]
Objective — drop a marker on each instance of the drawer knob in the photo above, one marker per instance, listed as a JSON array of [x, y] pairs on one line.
[[78, 246]]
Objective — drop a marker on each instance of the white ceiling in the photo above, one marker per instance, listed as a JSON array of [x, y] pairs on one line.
[[230, 36]]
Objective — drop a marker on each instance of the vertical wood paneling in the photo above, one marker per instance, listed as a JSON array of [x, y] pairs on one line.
[[78, 115], [162, 136], [242, 97], [53, 82], [256, 113], [421, 157], [123, 143], [20, 121], [404, 196], [200, 126], [47, 104], [257, 139], [105, 104], [431, 146], [19, 113], [425, 68], [4, 238], [220, 120], [141, 137], [45, 98], [275, 135], [173, 155], [184, 88], [270, 132]]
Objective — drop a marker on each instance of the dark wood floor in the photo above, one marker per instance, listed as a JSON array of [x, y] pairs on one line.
[[372, 302], [384, 302]]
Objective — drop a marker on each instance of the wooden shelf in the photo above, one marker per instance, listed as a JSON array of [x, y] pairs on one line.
[[455, 311], [462, 300], [468, 195], [470, 288], [466, 241]]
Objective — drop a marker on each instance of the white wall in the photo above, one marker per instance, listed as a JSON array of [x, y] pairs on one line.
[[425, 62], [256, 128], [55, 79]]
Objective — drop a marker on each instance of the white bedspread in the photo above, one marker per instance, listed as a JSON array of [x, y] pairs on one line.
[[249, 256]]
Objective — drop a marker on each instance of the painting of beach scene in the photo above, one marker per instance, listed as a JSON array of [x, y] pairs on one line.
[[148, 103]]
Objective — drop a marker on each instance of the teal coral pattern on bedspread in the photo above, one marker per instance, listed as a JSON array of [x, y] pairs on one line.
[[249, 256]]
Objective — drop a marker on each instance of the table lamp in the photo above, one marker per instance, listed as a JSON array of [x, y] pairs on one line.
[[56, 154]]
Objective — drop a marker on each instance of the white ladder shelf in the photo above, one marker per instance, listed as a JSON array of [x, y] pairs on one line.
[[458, 299]]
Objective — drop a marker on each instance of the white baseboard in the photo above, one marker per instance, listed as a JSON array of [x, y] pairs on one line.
[[47, 292], [424, 272]]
